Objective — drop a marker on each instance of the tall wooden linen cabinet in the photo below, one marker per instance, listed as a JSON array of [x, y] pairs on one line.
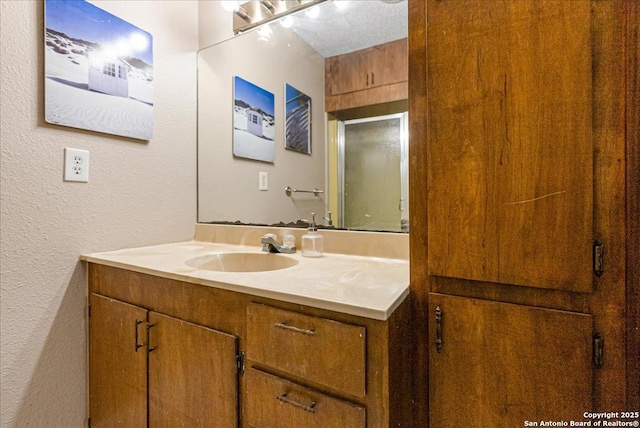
[[524, 202]]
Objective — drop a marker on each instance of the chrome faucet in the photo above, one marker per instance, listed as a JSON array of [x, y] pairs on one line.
[[329, 221], [271, 245]]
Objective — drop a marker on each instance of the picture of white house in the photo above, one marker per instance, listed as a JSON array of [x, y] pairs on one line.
[[108, 76], [98, 71], [254, 122]]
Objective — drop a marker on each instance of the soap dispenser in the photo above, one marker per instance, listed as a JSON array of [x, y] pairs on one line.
[[312, 241]]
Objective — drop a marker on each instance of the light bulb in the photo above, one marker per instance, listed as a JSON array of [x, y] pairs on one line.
[[312, 12], [265, 32], [230, 5], [286, 22], [139, 42], [341, 4]]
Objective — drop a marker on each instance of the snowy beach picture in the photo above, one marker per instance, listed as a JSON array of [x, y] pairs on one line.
[[98, 71], [253, 121], [298, 120]]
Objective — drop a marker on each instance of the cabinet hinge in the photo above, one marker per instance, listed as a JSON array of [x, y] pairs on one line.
[[240, 363], [439, 329], [598, 258], [598, 350]]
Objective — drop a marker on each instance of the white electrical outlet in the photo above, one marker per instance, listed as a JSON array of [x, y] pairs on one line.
[[76, 165], [264, 181]]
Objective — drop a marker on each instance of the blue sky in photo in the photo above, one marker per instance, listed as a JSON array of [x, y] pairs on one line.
[[253, 95], [82, 20], [291, 94]]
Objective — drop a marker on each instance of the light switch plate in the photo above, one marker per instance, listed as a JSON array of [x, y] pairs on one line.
[[264, 181], [76, 165]]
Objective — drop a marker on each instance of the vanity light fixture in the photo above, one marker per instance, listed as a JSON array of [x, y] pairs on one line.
[[243, 14], [251, 14], [268, 4]]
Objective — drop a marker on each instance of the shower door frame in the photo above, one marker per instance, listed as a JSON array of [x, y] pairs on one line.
[[403, 203]]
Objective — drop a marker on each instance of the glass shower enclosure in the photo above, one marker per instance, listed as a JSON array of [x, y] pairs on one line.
[[372, 173]]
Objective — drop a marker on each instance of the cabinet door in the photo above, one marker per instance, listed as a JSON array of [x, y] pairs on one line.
[[348, 72], [510, 152], [389, 63], [117, 364], [376, 66], [192, 375], [503, 364]]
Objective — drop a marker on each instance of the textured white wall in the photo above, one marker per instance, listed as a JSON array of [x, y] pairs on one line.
[[215, 24], [138, 194]]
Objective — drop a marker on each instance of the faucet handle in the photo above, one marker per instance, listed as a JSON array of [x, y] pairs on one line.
[[329, 221]]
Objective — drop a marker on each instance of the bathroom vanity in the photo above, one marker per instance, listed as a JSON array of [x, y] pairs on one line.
[[318, 344]]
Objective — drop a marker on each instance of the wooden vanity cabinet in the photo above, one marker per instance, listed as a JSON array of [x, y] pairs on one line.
[[243, 360], [369, 76], [149, 369]]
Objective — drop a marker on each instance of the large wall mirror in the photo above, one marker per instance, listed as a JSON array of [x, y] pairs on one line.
[[329, 91]]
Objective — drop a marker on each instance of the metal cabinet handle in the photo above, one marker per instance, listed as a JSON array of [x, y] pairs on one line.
[[372, 78], [309, 332], [311, 408], [149, 348], [138, 345]]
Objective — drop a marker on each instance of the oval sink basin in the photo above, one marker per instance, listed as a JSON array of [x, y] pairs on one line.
[[242, 262]]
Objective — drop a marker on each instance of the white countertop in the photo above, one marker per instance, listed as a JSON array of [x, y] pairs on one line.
[[370, 287]]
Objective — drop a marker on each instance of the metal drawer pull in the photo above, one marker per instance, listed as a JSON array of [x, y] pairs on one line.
[[311, 408], [296, 329]]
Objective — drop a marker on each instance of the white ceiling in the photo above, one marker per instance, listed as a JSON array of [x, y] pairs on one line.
[[360, 24]]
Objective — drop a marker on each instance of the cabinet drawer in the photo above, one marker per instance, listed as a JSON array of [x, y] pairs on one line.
[[320, 350], [273, 402]]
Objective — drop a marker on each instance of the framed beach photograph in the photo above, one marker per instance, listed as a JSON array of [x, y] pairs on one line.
[[98, 71], [298, 120], [253, 121]]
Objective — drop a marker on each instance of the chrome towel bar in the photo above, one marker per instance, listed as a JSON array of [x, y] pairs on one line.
[[288, 190]]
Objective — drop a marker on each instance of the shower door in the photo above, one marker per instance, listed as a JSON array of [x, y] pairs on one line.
[[373, 180]]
